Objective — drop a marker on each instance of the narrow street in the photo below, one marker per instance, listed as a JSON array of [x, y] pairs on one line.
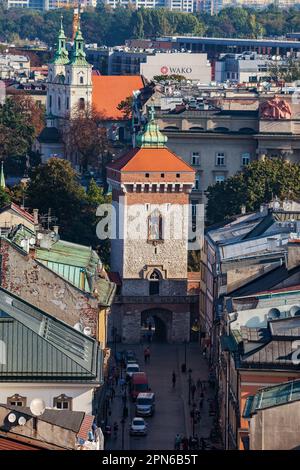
[[172, 414]]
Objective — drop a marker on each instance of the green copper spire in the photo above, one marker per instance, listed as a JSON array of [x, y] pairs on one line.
[[78, 54], [2, 178], [151, 137], [61, 56]]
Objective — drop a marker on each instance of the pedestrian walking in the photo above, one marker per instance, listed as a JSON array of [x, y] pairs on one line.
[[199, 385], [193, 390], [173, 379], [185, 443], [204, 352], [177, 442], [147, 355]]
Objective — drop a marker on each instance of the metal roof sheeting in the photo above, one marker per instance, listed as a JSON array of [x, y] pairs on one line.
[[272, 396], [39, 345]]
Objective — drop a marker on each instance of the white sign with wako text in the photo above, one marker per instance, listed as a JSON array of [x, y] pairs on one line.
[[191, 66]]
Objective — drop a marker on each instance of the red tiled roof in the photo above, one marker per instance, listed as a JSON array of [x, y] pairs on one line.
[[22, 212], [9, 444], [150, 159], [115, 277], [85, 427], [19, 210], [110, 90]]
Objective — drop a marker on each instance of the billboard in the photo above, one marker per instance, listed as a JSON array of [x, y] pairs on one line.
[[191, 66]]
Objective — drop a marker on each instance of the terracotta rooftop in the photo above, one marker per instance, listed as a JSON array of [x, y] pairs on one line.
[[109, 91], [150, 159]]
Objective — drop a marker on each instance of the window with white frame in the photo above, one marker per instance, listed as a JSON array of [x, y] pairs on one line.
[[16, 400], [194, 207], [62, 402], [197, 183], [219, 178], [196, 158], [220, 159], [245, 158]]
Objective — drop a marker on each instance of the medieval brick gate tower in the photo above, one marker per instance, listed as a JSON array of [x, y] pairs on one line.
[[150, 190]]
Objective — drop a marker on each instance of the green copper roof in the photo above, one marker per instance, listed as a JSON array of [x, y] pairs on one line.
[[78, 54], [61, 56], [38, 346], [151, 137], [272, 396], [2, 178]]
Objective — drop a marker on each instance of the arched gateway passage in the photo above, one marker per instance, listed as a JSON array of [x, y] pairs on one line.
[[156, 325]]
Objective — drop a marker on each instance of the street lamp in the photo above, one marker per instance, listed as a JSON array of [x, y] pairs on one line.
[[190, 384]]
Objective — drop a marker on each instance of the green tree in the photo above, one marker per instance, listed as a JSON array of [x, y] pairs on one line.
[[55, 185], [4, 197], [173, 77], [16, 130], [258, 183], [95, 197], [125, 106]]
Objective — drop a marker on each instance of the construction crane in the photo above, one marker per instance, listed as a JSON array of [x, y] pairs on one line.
[[77, 10]]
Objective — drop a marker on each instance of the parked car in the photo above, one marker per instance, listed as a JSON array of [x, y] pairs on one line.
[[131, 369], [138, 427], [145, 404], [130, 356], [138, 384]]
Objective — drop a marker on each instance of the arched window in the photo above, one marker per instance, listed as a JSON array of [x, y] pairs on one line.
[[50, 101], [155, 226], [58, 102], [154, 283], [81, 103], [81, 80]]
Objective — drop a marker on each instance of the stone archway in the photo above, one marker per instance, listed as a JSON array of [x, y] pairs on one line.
[[156, 322]]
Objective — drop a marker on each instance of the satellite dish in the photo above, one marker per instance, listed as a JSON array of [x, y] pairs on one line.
[[37, 406], [12, 418], [295, 310], [87, 331], [23, 242], [22, 421], [273, 314], [78, 327], [40, 236], [32, 241]]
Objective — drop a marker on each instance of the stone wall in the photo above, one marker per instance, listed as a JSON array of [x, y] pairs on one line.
[[27, 278], [141, 287], [127, 319]]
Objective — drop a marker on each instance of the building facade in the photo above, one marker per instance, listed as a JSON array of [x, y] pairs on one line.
[[152, 180]]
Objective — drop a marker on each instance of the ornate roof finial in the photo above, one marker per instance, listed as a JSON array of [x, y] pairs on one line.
[[2, 177], [61, 56], [151, 113], [151, 137]]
